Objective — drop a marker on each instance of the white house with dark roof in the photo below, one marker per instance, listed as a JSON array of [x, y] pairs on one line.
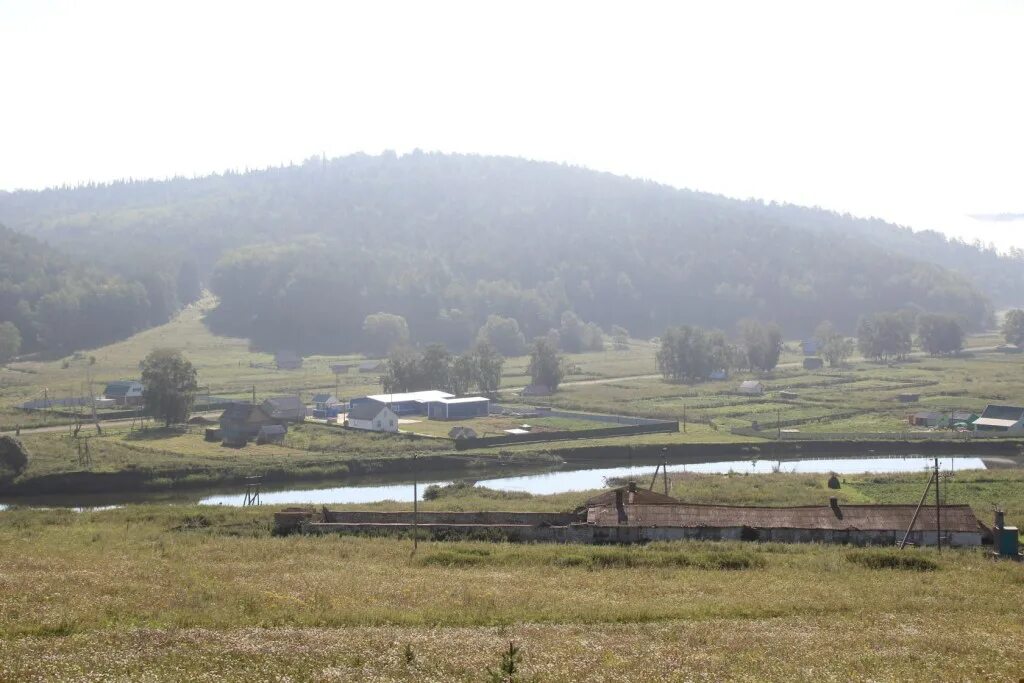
[[1007, 420], [372, 416], [125, 392]]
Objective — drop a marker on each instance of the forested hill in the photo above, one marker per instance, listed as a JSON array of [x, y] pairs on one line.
[[299, 255], [58, 303]]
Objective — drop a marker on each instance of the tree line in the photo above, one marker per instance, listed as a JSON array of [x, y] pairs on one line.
[[692, 354], [301, 255], [50, 302]]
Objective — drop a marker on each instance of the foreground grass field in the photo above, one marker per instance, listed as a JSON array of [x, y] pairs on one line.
[[189, 593]]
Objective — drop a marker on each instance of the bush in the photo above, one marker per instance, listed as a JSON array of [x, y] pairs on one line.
[[906, 561], [13, 458]]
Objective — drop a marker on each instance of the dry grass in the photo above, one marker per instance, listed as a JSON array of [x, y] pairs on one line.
[[187, 593]]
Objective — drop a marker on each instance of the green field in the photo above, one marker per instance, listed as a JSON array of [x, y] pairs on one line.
[[188, 593], [858, 399]]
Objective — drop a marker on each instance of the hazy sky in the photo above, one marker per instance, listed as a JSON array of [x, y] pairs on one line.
[[911, 111]]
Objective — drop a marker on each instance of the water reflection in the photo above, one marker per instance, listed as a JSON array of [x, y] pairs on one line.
[[582, 480]]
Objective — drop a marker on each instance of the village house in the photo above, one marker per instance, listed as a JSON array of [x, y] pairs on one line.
[[285, 409], [1001, 419], [241, 422], [326, 406], [124, 392], [371, 366], [751, 387], [372, 416]]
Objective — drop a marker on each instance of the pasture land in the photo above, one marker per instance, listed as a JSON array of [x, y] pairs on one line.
[[187, 593]]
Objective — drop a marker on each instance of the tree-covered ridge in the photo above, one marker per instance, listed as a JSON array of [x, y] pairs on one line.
[[307, 252], [59, 304]]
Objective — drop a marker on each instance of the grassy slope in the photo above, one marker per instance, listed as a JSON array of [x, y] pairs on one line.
[[153, 593]]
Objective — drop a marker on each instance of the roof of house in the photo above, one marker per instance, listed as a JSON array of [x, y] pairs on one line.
[[464, 399], [415, 396], [750, 384], [284, 405], [366, 410], [998, 412], [371, 364], [121, 387], [325, 398], [244, 412], [860, 517], [631, 495]]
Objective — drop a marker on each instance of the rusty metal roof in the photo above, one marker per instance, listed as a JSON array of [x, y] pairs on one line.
[[636, 496], [863, 517]]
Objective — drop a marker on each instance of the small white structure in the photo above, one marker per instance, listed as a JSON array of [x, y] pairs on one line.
[[1007, 420], [372, 416], [751, 387]]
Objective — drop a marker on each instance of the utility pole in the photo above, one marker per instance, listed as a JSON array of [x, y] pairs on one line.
[[46, 402], [684, 418], [254, 394], [415, 509], [938, 509]]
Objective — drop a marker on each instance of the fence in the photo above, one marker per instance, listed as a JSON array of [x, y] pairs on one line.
[[944, 435], [600, 433]]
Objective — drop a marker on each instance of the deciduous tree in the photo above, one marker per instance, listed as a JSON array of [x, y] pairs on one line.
[[170, 382]]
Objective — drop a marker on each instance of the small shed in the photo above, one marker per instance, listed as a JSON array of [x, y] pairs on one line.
[[809, 347], [271, 434], [751, 387], [340, 368], [925, 419], [908, 398], [718, 375], [460, 432], [288, 360], [813, 363]]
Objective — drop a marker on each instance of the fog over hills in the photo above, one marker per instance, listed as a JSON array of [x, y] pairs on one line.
[[300, 254]]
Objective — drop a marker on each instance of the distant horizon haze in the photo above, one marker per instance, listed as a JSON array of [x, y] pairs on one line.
[[908, 112]]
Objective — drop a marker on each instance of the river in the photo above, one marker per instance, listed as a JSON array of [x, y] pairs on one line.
[[570, 478]]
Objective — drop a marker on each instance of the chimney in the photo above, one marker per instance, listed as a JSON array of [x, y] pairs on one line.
[[1000, 519], [833, 503]]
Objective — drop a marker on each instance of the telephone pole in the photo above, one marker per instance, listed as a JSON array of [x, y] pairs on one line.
[[938, 510]]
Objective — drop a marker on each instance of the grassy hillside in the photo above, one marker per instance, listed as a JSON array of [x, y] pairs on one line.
[[446, 240], [182, 593]]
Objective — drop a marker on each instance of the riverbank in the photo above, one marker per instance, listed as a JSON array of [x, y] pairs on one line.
[[183, 593], [125, 465]]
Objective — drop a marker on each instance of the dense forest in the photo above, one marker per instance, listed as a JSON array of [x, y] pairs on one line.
[[49, 301], [301, 255]]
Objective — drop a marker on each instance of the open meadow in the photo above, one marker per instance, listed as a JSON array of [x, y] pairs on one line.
[[193, 593], [856, 401]]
